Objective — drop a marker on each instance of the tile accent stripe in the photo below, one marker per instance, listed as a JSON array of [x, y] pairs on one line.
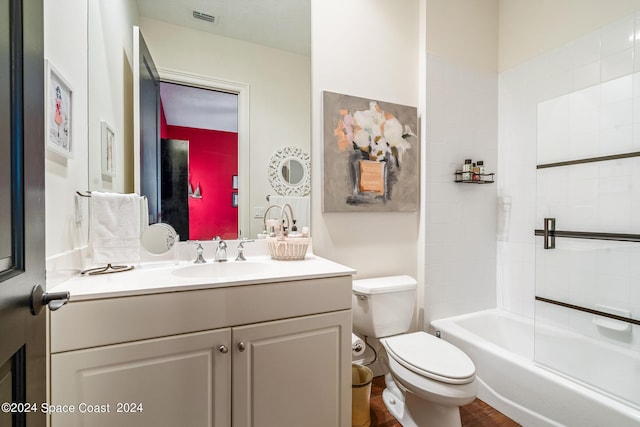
[[588, 310]]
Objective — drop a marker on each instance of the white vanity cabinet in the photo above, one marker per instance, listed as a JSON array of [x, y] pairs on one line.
[[270, 354]]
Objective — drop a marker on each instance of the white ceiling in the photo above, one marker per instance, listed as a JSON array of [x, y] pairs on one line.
[[199, 108], [280, 24]]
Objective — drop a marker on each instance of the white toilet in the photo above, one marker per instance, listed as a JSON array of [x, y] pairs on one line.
[[427, 379]]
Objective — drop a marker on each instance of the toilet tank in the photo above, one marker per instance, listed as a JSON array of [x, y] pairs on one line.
[[383, 306]]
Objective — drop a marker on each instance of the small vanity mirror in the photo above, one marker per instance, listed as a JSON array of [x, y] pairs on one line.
[[159, 238], [290, 172]]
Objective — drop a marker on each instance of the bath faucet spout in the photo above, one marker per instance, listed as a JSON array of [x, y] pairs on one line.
[[199, 253], [221, 250]]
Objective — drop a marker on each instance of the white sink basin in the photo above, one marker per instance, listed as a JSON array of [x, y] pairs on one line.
[[222, 269]]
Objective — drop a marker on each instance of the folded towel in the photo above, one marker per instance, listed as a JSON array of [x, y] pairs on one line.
[[115, 227]]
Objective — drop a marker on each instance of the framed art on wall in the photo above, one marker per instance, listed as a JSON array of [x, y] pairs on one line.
[[370, 155], [58, 108], [108, 147]]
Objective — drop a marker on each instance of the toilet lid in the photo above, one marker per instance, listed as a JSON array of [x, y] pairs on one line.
[[431, 357]]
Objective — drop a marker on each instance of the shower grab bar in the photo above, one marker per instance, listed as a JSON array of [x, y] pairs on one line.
[[618, 237], [588, 310]]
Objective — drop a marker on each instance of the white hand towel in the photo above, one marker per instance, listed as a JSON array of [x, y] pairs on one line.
[[115, 227]]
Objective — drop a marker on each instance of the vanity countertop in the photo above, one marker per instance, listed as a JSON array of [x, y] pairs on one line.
[[154, 278]]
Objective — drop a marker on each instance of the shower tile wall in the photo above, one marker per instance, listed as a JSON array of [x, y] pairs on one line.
[[461, 123], [578, 101]]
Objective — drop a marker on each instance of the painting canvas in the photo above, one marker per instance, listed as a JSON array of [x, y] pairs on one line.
[[371, 159]]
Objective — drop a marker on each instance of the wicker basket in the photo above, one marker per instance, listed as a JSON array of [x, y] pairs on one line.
[[289, 249]]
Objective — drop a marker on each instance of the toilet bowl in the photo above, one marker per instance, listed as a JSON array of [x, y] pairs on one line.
[[427, 379]]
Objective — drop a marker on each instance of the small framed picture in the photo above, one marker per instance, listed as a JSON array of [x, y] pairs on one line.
[[58, 108], [108, 144], [234, 182], [234, 199]]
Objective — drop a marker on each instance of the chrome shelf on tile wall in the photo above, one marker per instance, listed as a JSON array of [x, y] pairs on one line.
[[483, 178]]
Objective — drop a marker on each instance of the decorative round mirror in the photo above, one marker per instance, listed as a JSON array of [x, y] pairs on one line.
[[290, 172], [159, 238]]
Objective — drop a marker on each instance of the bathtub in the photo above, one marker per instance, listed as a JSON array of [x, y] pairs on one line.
[[501, 346]]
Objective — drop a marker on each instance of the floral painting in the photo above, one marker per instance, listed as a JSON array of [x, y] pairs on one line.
[[370, 155]]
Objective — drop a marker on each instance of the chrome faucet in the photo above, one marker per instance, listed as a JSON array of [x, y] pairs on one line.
[[199, 250], [241, 243], [221, 250]]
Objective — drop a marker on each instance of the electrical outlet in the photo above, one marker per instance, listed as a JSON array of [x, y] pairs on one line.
[[258, 212]]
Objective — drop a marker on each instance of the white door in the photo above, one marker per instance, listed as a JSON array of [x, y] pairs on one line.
[[182, 380], [146, 126], [293, 372]]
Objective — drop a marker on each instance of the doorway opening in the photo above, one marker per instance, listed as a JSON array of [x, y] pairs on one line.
[[199, 147]]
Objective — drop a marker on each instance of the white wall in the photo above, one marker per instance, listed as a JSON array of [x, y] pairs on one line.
[[279, 85], [368, 49], [464, 32], [589, 57], [110, 98], [530, 28], [65, 45], [462, 123]]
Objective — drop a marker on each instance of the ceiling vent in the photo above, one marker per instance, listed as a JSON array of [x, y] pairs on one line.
[[204, 16]]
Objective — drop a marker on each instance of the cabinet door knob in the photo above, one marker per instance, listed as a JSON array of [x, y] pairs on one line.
[[241, 346], [223, 349]]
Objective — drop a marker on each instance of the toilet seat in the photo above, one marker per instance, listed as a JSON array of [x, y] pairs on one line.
[[431, 357]]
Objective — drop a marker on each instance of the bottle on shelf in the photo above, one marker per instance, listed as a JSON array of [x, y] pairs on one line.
[[467, 170]]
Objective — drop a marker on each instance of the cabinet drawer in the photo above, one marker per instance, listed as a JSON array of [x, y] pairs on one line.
[[93, 323]]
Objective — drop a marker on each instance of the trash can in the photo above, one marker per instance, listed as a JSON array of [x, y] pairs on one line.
[[361, 378]]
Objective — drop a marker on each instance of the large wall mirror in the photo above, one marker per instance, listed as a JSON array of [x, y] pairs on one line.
[[255, 49]]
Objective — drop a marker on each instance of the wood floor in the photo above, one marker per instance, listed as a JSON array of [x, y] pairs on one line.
[[475, 414]]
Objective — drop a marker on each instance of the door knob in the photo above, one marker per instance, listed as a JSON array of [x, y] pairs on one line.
[[223, 349], [241, 346], [40, 298]]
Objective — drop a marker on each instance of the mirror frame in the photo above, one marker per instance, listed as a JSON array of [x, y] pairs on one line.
[[240, 89], [279, 184]]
